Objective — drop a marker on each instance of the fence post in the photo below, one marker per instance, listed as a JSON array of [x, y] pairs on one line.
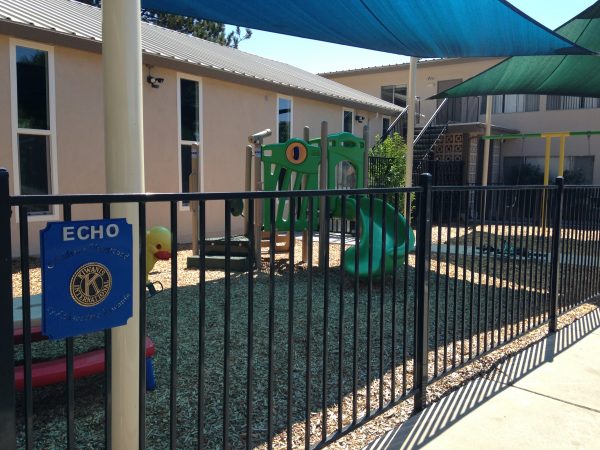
[[555, 262], [7, 369], [421, 372]]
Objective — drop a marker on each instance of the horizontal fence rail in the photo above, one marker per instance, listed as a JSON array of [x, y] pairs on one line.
[[290, 351]]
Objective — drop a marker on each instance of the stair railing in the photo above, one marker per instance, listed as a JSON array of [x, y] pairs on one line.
[[394, 123], [430, 121]]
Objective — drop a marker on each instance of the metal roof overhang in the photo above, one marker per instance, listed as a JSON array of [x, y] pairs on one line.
[[30, 32]]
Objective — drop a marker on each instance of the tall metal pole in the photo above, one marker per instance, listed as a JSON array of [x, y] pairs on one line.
[[123, 143], [486, 142], [366, 157], [410, 132]]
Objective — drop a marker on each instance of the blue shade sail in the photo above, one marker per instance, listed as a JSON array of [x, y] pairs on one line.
[[427, 29]]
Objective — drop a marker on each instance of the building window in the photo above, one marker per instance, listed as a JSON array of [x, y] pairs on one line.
[[511, 103], [385, 125], [33, 115], [284, 119], [394, 94], [189, 129], [348, 124], [561, 102]]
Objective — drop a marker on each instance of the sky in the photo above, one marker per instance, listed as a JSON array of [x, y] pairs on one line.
[[319, 57]]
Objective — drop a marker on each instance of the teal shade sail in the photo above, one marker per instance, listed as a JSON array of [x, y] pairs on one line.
[[432, 28], [572, 75]]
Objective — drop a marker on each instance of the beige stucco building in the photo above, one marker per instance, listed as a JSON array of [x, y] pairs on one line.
[[51, 122], [511, 114]]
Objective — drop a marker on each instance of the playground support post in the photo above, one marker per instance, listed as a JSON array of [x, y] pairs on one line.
[[410, 132], [124, 150], [194, 184], [422, 291], [7, 368], [257, 141], [247, 188], [366, 157], [323, 214], [306, 137], [555, 263]]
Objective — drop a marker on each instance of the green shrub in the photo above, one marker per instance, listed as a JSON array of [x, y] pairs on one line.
[[394, 148]]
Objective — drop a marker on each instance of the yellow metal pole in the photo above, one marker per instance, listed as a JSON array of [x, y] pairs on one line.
[[547, 160], [561, 159], [546, 176]]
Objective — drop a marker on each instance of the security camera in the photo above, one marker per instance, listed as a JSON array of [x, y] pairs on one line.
[[155, 82]]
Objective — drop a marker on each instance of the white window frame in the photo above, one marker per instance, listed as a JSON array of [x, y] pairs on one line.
[[180, 141], [291, 99], [344, 111], [50, 133]]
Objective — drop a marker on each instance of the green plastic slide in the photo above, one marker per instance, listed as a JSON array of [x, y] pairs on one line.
[[378, 269]]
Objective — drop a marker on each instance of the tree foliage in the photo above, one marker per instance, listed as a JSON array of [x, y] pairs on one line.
[[394, 149], [203, 29]]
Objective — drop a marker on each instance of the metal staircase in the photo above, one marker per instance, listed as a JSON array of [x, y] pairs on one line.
[[426, 141]]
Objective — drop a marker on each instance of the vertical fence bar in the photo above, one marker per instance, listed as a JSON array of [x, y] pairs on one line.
[[447, 283], [70, 376], [483, 216], [26, 302], [472, 278], [356, 311], [174, 310], [142, 342], [271, 339], [438, 270], [394, 296], [290, 343], [369, 303], [250, 337], [309, 288], [494, 287], [464, 278], [7, 363], [227, 325], [422, 298], [202, 322], [382, 303], [325, 269], [341, 316], [555, 263], [456, 273], [407, 231]]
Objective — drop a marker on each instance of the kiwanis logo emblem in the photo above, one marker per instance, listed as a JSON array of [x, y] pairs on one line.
[[91, 284]]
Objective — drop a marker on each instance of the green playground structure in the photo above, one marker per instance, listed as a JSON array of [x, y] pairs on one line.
[[295, 165]]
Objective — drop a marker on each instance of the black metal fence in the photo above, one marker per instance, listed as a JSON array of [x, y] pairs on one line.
[[290, 354]]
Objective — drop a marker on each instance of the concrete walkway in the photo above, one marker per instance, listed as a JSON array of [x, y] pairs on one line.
[[547, 396]]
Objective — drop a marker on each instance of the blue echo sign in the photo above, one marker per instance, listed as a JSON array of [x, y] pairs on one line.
[[87, 276]]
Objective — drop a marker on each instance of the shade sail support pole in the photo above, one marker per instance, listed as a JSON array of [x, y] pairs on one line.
[[123, 144], [410, 132]]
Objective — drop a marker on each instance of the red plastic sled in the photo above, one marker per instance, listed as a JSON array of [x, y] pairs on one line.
[[84, 364]]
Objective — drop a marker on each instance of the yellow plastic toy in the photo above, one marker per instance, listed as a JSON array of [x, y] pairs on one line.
[[158, 246]]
